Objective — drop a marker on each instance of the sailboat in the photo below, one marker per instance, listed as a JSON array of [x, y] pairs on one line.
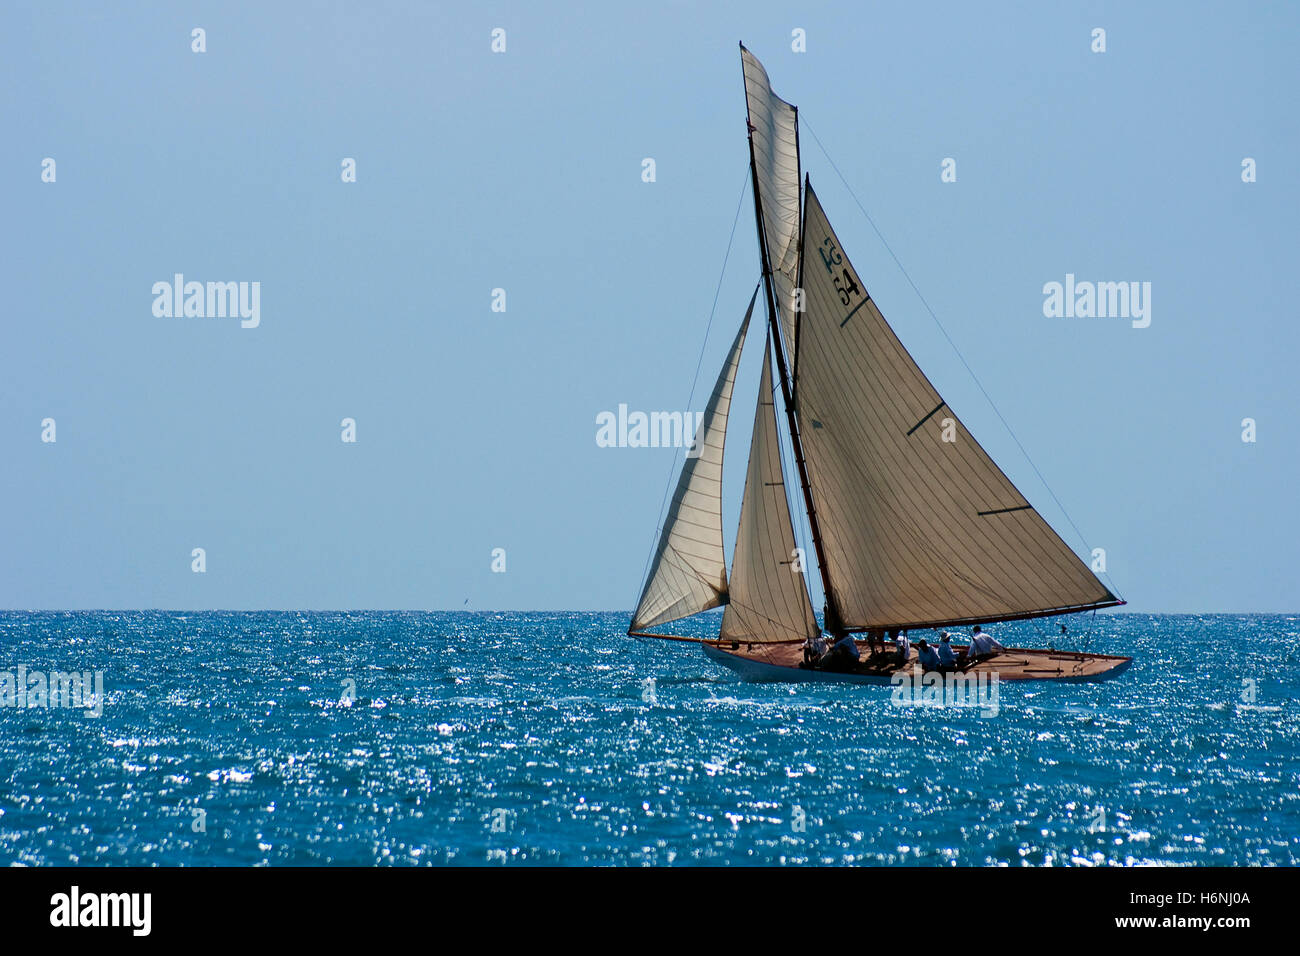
[[914, 527]]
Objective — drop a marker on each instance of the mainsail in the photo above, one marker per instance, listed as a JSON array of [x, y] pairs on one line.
[[919, 526], [774, 133], [769, 599], [689, 571]]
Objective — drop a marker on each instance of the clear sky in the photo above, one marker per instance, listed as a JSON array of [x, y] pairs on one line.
[[522, 171]]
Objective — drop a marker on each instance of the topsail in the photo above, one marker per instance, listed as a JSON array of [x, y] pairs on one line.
[[774, 132]]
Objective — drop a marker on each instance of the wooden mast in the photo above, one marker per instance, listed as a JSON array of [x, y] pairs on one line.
[[833, 622]]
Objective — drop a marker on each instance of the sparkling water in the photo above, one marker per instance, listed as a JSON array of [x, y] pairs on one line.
[[551, 738]]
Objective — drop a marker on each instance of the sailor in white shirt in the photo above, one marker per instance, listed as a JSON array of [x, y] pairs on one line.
[[904, 647], [947, 657], [982, 645], [992, 643]]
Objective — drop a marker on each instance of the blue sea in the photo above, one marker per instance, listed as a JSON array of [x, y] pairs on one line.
[[509, 739]]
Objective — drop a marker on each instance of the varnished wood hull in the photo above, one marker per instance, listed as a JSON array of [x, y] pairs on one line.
[[780, 662]]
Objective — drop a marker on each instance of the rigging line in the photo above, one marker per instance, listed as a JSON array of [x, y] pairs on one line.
[[744, 188], [1087, 635], [953, 345]]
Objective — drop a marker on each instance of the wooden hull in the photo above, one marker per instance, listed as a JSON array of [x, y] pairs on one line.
[[780, 662]]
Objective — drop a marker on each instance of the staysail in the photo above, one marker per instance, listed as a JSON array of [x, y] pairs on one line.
[[689, 571], [919, 526], [769, 598], [774, 131]]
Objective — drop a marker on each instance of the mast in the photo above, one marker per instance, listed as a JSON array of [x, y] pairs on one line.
[[794, 359], [833, 619]]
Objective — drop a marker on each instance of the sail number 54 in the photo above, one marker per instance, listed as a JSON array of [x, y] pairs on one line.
[[844, 283]]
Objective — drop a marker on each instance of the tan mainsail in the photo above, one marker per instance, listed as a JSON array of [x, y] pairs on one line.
[[769, 598], [689, 572], [774, 130], [917, 530]]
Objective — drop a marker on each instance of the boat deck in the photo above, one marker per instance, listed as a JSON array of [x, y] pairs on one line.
[[782, 662]]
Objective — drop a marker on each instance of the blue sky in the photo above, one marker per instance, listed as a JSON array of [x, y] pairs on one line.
[[522, 170]]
